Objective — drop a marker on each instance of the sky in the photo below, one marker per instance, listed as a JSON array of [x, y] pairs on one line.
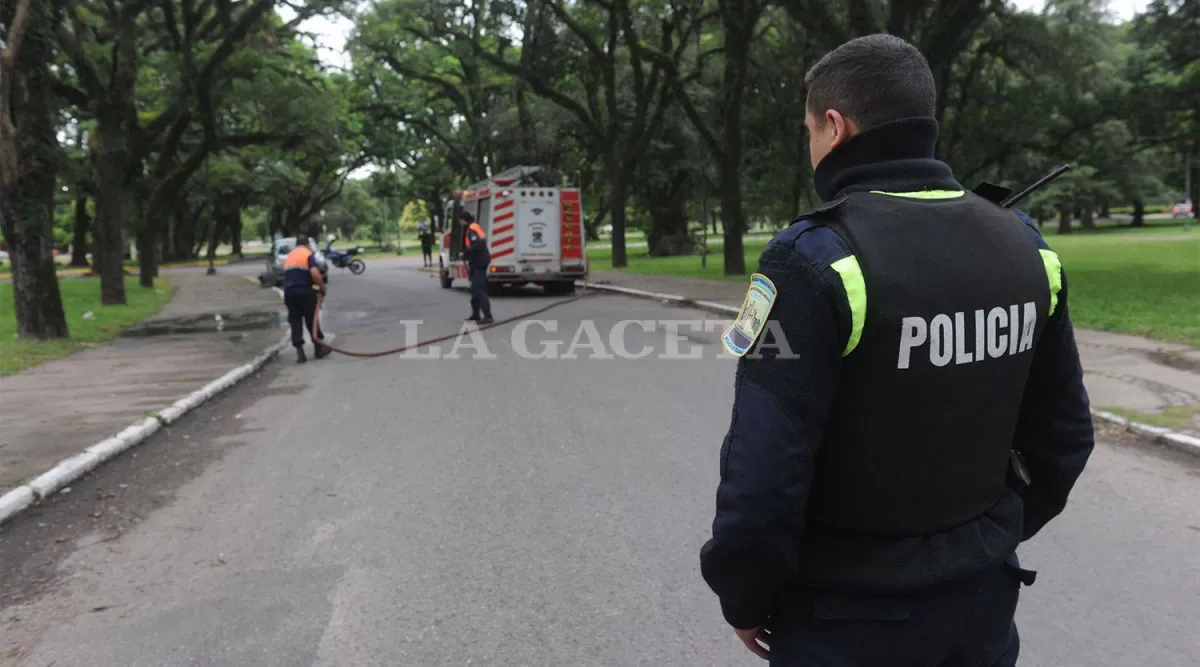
[[332, 33]]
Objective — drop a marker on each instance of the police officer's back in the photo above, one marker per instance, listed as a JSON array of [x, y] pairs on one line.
[[917, 334]]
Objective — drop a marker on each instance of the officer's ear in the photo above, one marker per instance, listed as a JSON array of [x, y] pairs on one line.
[[839, 126]]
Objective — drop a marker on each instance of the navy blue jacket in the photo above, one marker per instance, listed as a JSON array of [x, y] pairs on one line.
[[760, 545]]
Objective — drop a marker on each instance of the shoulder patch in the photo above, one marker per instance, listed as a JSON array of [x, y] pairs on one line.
[[752, 318]]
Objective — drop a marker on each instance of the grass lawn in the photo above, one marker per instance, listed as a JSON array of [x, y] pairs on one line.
[[1144, 281], [79, 296]]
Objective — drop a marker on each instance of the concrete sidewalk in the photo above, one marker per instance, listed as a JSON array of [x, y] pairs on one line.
[[1144, 380], [57, 409]]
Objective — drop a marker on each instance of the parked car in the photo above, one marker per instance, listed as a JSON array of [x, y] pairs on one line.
[[283, 246], [1182, 210]]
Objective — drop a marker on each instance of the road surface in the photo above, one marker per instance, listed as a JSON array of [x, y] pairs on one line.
[[502, 511]]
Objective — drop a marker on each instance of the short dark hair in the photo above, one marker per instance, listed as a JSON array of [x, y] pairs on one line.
[[463, 215], [301, 241], [872, 80]]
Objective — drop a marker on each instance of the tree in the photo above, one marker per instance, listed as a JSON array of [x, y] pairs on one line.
[[28, 166], [1169, 35], [739, 21], [415, 212], [619, 115]]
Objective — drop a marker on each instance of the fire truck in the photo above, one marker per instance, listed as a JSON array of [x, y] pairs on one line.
[[534, 231]]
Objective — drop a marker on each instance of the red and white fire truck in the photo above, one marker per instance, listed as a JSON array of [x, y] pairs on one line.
[[534, 232]]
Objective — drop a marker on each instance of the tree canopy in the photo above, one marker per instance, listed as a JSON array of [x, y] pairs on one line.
[[165, 129]]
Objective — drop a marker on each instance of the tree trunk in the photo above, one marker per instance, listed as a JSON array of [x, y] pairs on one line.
[[1139, 213], [1088, 219], [592, 227], [83, 223], [732, 222], [1105, 213], [147, 245], [738, 19], [110, 155], [668, 217], [618, 181], [28, 160], [1194, 195], [1064, 219], [235, 229]]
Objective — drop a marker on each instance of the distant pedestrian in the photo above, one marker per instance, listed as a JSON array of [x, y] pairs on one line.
[[426, 237], [301, 283]]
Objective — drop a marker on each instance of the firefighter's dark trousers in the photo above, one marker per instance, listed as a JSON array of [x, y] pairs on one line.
[[479, 293], [968, 625], [302, 309]]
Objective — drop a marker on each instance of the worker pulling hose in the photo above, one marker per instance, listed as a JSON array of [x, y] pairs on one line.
[[397, 350]]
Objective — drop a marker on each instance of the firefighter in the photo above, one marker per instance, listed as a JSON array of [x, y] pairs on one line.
[[301, 283], [912, 405], [477, 257]]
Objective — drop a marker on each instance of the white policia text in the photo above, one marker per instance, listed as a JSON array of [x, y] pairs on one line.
[[996, 333]]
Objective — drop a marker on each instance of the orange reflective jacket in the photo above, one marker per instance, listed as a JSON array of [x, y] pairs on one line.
[[473, 227], [297, 259]]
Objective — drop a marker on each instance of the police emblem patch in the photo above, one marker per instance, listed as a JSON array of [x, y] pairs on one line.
[[752, 318]]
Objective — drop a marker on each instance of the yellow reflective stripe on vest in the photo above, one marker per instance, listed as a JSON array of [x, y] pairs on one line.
[[924, 194], [1053, 274], [856, 294]]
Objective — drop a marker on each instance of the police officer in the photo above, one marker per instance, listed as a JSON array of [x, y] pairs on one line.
[[426, 238], [301, 283], [478, 257], [915, 340]]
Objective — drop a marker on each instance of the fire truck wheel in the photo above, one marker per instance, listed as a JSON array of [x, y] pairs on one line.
[[447, 281]]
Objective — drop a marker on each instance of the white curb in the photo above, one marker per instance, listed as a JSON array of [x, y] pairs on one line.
[[74, 467], [1164, 436], [710, 306]]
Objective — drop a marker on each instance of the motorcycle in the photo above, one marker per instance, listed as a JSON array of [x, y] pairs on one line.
[[344, 259]]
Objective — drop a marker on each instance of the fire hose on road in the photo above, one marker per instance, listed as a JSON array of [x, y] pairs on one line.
[[430, 341]]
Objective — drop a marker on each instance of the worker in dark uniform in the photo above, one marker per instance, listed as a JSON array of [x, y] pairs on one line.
[[301, 283], [426, 238], [478, 257], [916, 348]]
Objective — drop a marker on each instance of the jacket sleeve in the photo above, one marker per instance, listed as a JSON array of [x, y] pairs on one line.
[[1054, 432], [473, 248], [783, 394]]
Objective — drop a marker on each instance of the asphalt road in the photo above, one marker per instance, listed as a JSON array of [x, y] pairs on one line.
[[497, 511]]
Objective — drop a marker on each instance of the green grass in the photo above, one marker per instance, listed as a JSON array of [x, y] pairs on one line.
[[1144, 282], [1173, 416], [1146, 287], [79, 296]]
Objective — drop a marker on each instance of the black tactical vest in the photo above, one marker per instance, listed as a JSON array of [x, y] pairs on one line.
[[922, 425]]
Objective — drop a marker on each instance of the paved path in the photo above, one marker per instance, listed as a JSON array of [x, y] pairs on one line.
[[55, 410], [1129, 373], [504, 511]]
